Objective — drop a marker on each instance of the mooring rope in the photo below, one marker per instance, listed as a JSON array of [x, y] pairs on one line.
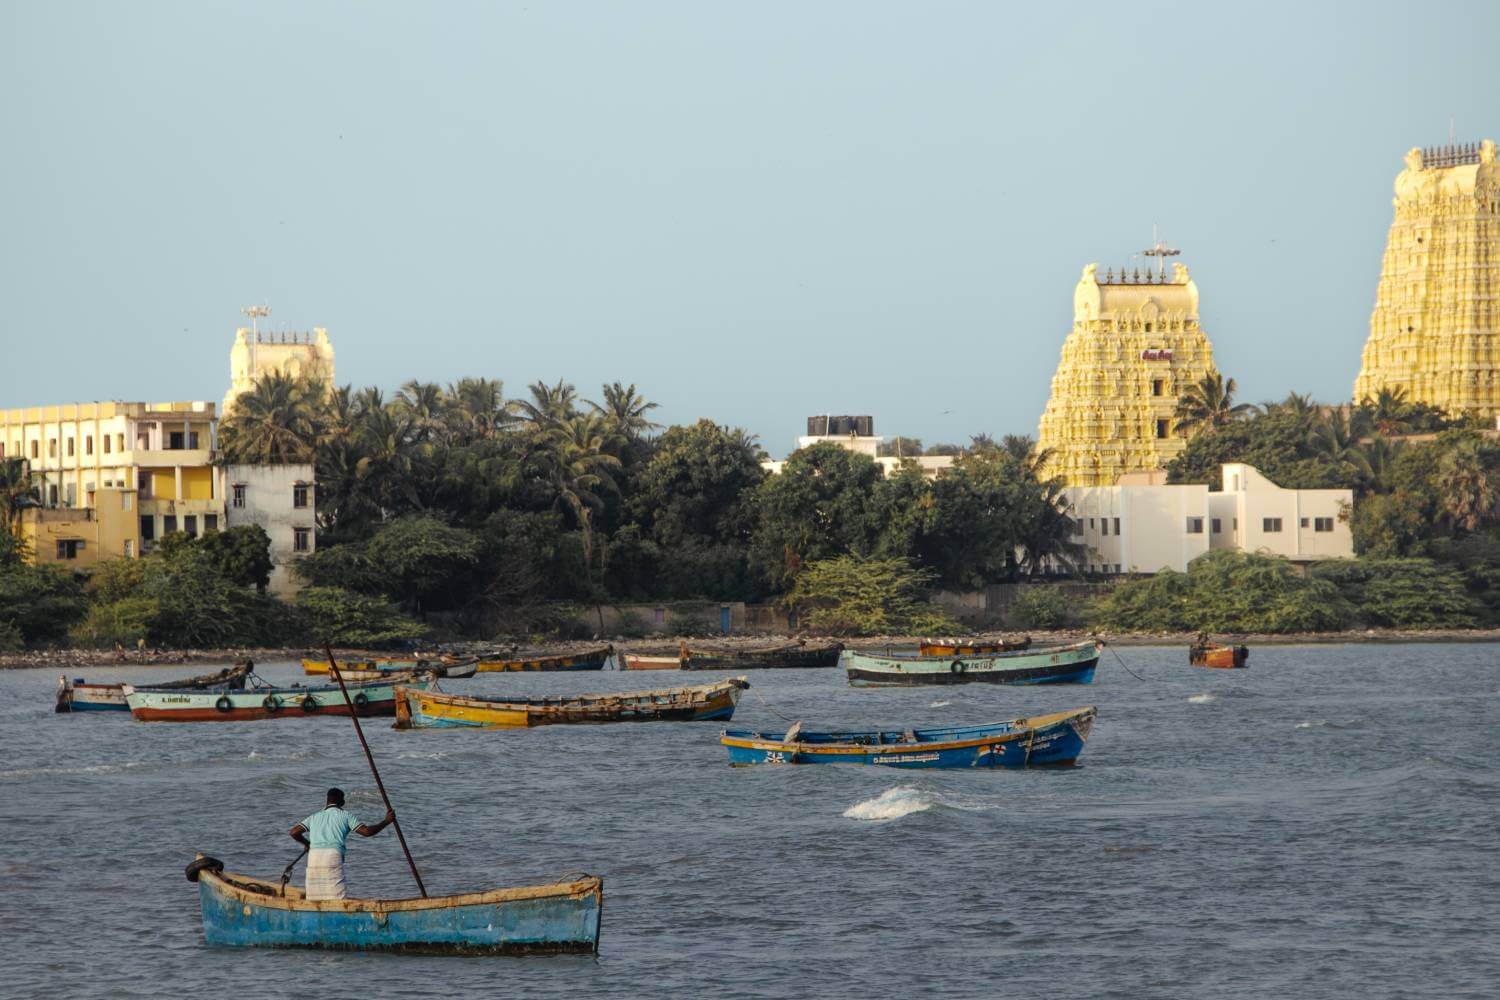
[[767, 704], [1121, 661]]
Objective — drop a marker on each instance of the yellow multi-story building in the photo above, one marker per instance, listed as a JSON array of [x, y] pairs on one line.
[[154, 460], [1134, 347], [1436, 320]]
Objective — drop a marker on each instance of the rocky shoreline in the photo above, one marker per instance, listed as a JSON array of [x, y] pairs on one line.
[[74, 659]]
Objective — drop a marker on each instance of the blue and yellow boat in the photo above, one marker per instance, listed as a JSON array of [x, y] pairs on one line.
[[1053, 739], [558, 918], [1070, 664]]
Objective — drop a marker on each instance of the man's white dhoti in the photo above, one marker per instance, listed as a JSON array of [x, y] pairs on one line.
[[325, 873]]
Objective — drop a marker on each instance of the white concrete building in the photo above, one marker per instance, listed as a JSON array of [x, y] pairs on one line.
[[1143, 525], [282, 500], [857, 434]]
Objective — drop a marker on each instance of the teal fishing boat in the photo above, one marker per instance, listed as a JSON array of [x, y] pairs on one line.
[[1071, 664]]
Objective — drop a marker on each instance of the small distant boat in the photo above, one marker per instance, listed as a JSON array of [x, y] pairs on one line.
[[590, 659], [151, 704], [794, 655], [558, 918], [971, 647], [422, 709], [450, 671], [1057, 738], [1214, 655], [78, 696], [650, 661], [1071, 664], [386, 663]]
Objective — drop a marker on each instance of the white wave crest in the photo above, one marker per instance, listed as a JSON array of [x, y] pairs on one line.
[[1313, 724], [940, 704], [1202, 699], [893, 803]]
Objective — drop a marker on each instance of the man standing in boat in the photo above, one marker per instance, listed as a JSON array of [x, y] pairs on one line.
[[324, 834]]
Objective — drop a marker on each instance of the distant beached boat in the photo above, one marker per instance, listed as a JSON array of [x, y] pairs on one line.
[[78, 696], [1056, 738], [320, 666], [557, 918], [589, 659], [1071, 664], [650, 661], [791, 656], [447, 671]]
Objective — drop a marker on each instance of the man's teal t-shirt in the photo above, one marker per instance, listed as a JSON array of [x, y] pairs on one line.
[[330, 827]]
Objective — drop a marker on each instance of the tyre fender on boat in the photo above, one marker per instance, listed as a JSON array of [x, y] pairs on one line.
[[958, 667], [309, 703], [361, 700], [203, 864], [224, 704], [271, 704]]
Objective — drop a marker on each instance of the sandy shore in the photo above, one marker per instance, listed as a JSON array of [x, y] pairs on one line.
[[75, 659]]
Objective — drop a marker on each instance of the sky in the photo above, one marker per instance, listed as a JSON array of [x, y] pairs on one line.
[[753, 212]]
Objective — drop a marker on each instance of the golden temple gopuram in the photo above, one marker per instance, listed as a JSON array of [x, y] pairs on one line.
[[1135, 344], [1435, 322]]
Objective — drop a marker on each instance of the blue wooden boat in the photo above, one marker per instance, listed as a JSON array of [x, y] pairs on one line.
[[1053, 739], [561, 917], [1071, 664]]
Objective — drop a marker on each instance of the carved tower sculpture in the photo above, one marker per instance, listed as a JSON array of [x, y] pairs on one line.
[[257, 353], [1436, 319], [1135, 345]]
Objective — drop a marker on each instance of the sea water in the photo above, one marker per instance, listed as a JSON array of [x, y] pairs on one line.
[[1323, 824]]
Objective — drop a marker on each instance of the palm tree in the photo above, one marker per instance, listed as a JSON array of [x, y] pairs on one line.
[[1390, 412], [549, 405], [1332, 438], [476, 408], [578, 468], [982, 443], [1208, 404], [274, 423], [625, 410], [1470, 496], [1376, 460], [385, 468], [424, 403], [15, 487]]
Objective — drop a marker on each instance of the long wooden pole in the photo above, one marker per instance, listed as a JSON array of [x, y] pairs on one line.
[[333, 668]]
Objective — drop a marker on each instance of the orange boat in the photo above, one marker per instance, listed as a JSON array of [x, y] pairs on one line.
[[972, 647], [1213, 655]]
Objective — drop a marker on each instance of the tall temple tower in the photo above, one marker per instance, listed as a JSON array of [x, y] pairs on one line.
[[1135, 345], [255, 354], [1436, 319]]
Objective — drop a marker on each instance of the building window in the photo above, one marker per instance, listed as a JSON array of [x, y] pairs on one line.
[[193, 440], [148, 528], [299, 496], [1217, 526], [125, 501], [70, 494], [210, 522], [238, 498], [88, 444], [1117, 569], [1322, 524], [1162, 428], [1158, 386], [301, 539], [119, 442], [67, 548], [1091, 524], [1117, 525], [143, 484], [2, 449], [106, 444], [52, 496], [1195, 525], [1234, 524], [1270, 525], [52, 447], [1104, 526], [1304, 522], [70, 447], [168, 523], [190, 525], [175, 440]]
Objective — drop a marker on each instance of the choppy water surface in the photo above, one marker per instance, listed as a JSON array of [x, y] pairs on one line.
[[1321, 825]]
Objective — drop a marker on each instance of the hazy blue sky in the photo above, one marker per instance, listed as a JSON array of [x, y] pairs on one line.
[[755, 212]]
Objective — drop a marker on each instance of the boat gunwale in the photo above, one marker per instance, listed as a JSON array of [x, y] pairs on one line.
[[235, 885]]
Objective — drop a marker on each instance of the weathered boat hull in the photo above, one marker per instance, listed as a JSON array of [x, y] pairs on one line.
[[371, 699], [1073, 664], [455, 672], [940, 647], [593, 659], [645, 661], [1221, 657], [1048, 740], [561, 918], [435, 710], [79, 696], [387, 664], [790, 657]]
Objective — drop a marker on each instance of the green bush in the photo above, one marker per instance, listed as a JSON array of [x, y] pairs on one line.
[[40, 602], [10, 638], [853, 596], [124, 622], [1224, 591], [342, 617], [1040, 607], [1402, 593]]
